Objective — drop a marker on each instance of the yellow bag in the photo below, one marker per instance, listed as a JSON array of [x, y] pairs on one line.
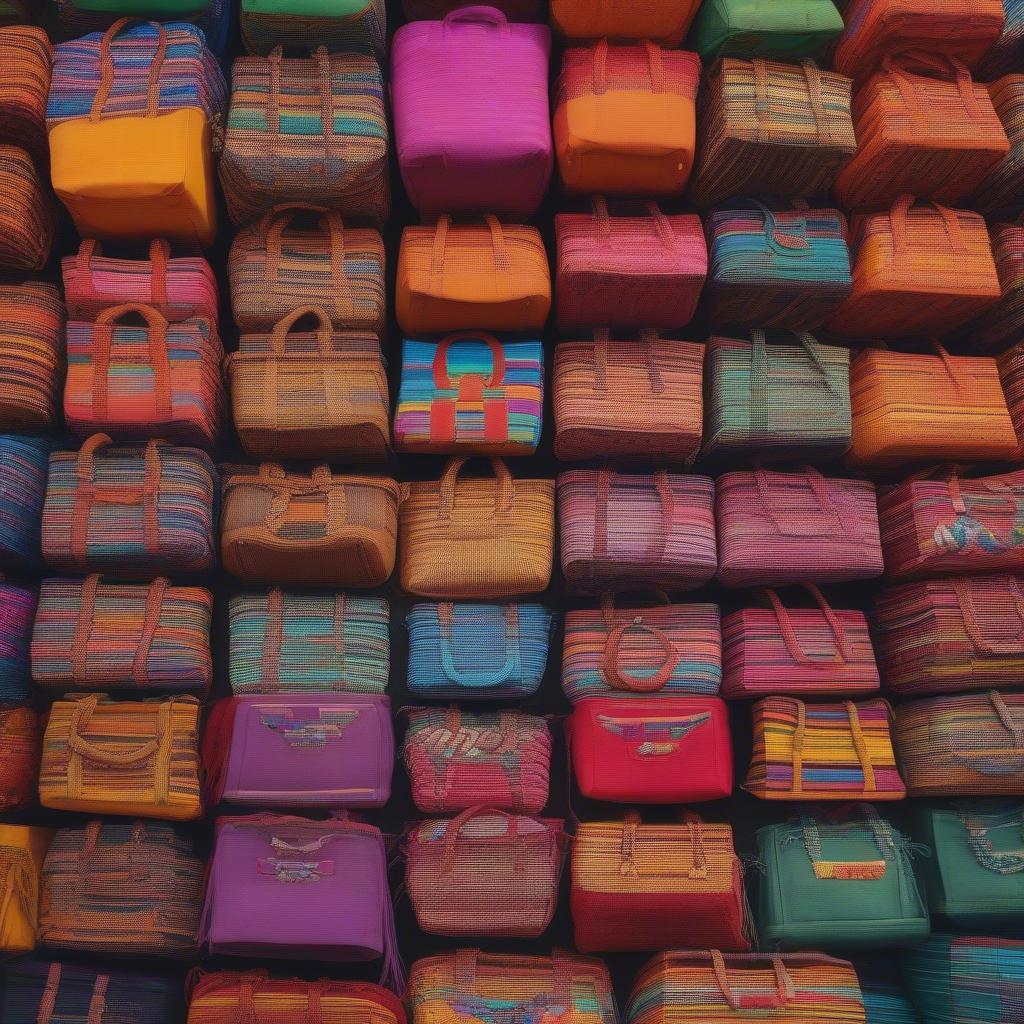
[[22, 849]]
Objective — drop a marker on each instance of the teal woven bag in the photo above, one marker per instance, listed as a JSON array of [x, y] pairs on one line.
[[771, 29]]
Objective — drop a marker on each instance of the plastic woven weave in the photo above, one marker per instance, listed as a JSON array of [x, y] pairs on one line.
[[20, 737], [22, 493], [1003, 184], [17, 613], [25, 55], [1008, 52], [1001, 324], [31, 354], [1011, 374], [27, 219]]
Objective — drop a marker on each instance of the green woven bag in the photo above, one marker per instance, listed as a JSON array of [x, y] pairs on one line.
[[782, 29], [975, 877], [838, 884]]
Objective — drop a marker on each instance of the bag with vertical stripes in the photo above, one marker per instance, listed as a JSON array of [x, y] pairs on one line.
[[20, 742], [356, 26], [485, 872], [28, 219], [466, 651], [664, 21], [966, 745], [134, 511], [121, 887], [1004, 182], [302, 254], [31, 354], [309, 130], [459, 759], [22, 848], [17, 614], [1001, 324], [640, 887], [122, 636], [638, 399], [780, 31], [26, 55], [22, 494], [301, 394], [294, 642], [799, 652], [122, 757], [823, 751]]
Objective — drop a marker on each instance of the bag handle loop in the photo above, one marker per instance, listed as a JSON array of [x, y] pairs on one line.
[[655, 66], [662, 225], [440, 241], [455, 825], [663, 488], [784, 991], [648, 358], [439, 368], [611, 669], [503, 481], [843, 653], [1000, 862], [284, 326], [898, 221], [511, 669], [857, 737], [963, 591], [820, 489], [159, 257], [900, 67], [480, 14], [468, 960], [854, 870], [106, 68]]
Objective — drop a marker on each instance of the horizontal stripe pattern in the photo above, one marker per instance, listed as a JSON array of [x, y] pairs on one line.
[[22, 493], [25, 55], [1000, 325], [28, 218], [355, 28], [31, 354], [20, 739], [17, 613]]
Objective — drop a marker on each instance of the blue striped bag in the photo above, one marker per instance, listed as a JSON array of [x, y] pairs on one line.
[[17, 610], [22, 489], [477, 651]]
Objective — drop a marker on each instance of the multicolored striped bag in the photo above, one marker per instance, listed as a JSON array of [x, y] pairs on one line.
[[1003, 183], [967, 745], [799, 652], [1000, 325], [626, 653], [885, 1000], [485, 872], [461, 759], [780, 31], [629, 272], [628, 399], [1011, 375], [823, 751], [782, 268], [28, 219], [135, 512], [20, 741], [664, 21], [625, 118], [122, 636], [762, 398], [356, 26], [470, 392], [477, 651], [25, 55], [779, 528], [769, 128], [503, 529], [917, 271], [124, 888], [308, 130], [22, 848], [309, 528], [31, 354], [622, 530], [310, 394], [288, 642], [22, 492], [17, 613], [299, 251]]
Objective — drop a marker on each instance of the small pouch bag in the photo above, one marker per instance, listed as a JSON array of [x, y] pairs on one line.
[[300, 750], [31, 353], [463, 651], [637, 887], [20, 745], [459, 759], [17, 615], [22, 849], [485, 873]]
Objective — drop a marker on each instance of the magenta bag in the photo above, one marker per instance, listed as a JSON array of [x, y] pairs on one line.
[[281, 886], [472, 122], [300, 750]]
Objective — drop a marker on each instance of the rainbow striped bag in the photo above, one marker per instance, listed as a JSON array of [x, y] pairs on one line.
[[22, 493], [31, 354], [17, 613]]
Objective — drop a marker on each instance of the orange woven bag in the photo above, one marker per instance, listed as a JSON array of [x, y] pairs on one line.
[[19, 758], [476, 538], [25, 56]]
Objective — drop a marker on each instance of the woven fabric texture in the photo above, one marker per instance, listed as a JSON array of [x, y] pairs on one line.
[[31, 354], [17, 613], [1011, 375], [664, 21], [1003, 184], [22, 848], [22, 493], [25, 55], [782, 31], [356, 26], [1001, 323], [28, 218], [20, 737]]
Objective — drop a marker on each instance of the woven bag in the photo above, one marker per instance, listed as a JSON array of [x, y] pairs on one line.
[[798, 652], [319, 394], [22, 492], [470, 393], [885, 999], [622, 530], [771, 128], [629, 272], [923, 126], [763, 398], [843, 881], [179, 288], [780, 528], [288, 642], [122, 888], [779, 31], [300, 254], [31, 354], [637, 887], [503, 529], [485, 872], [464, 277], [477, 651], [122, 757], [638, 399], [784, 268], [625, 119], [1011, 375], [135, 381], [27, 219], [308, 130], [25, 55], [460, 759], [136, 512], [967, 745], [917, 271], [22, 848], [356, 26], [122, 636], [634, 652], [664, 21], [20, 738], [1001, 323], [308, 529], [1004, 182], [823, 751], [17, 613]]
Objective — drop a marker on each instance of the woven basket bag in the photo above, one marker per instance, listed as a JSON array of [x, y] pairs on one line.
[[31, 354], [308, 529], [350, 26], [464, 277], [1003, 322], [20, 742], [1003, 184], [639, 399], [301, 254], [1011, 374], [270, 154], [22, 848], [25, 55], [122, 636], [17, 613], [780, 31], [485, 873], [22, 492], [769, 128], [664, 21], [27, 219], [503, 529], [628, 272]]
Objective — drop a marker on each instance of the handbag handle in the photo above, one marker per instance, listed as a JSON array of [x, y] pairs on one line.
[[467, 962], [962, 590], [479, 14], [504, 483], [439, 367], [1004, 757], [284, 326], [762, 102], [662, 225], [850, 870], [320, 482], [663, 488], [856, 734], [898, 217], [1000, 862], [159, 256], [843, 654], [761, 402], [502, 263], [783, 243], [129, 756], [649, 358], [631, 822], [612, 671], [512, 667], [325, 80], [273, 637], [106, 68], [454, 828], [137, 858], [783, 993], [655, 66], [899, 67], [819, 488], [1007, 492]]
